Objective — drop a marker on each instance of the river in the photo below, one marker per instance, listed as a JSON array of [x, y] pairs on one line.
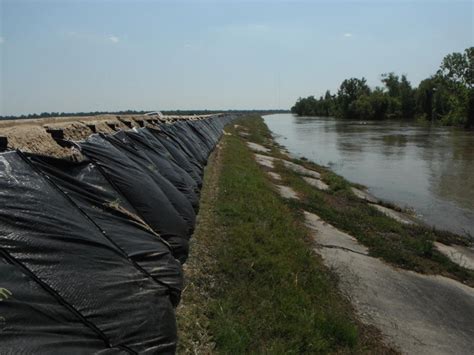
[[427, 169]]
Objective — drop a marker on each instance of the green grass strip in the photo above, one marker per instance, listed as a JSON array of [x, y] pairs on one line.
[[274, 295]]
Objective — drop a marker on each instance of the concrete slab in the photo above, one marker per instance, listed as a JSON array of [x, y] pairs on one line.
[[419, 314], [300, 169], [274, 176], [287, 192], [458, 254], [320, 185], [257, 147], [398, 216], [364, 195], [328, 236], [265, 161]]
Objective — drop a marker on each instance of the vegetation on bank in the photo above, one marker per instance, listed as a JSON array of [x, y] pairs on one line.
[[254, 285], [446, 97]]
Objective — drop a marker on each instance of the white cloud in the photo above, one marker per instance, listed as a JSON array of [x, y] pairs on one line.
[[347, 34], [2, 40], [91, 37]]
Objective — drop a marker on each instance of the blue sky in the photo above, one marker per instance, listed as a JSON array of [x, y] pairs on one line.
[[74, 55]]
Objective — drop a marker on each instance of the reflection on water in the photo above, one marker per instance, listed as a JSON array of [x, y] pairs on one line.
[[430, 169]]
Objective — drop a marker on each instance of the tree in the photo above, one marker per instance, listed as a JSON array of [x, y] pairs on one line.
[[447, 96], [424, 98], [349, 91], [392, 83], [380, 104], [457, 73], [361, 108], [459, 68], [407, 98]]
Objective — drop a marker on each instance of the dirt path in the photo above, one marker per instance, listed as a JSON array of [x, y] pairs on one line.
[[193, 332]]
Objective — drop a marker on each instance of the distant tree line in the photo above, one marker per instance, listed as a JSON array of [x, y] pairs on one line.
[[133, 112], [446, 97], [71, 114]]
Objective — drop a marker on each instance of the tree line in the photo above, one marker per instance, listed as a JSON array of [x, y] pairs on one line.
[[446, 97], [135, 112]]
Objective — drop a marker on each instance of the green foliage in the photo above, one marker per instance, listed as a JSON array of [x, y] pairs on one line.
[[446, 97], [350, 91], [325, 106]]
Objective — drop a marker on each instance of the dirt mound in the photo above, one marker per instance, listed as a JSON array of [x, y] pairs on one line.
[[72, 131], [35, 139], [34, 135]]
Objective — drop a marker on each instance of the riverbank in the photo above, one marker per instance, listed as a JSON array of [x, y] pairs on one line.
[[423, 169], [247, 292], [407, 245], [253, 282]]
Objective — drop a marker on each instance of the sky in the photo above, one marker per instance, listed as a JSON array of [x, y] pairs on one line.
[[110, 55]]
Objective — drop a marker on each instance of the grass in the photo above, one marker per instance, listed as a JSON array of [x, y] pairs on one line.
[[406, 246], [254, 283]]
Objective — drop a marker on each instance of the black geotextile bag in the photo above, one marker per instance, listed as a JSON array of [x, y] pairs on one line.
[[185, 160], [147, 138], [187, 144], [35, 321], [205, 137], [68, 256], [90, 192], [188, 133], [176, 158], [141, 191], [145, 142], [182, 205]]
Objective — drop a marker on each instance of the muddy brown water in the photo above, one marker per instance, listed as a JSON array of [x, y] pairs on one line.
[[428, 169]]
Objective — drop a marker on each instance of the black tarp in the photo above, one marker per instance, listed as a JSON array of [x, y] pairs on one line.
[[33, 321], [166, 164], [180, 156], [141, 191], [181, 204], [91, 251], [70, 257], [115, 217], [187, 142]]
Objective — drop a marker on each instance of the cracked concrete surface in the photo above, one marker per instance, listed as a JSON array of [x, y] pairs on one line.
[[265, 161], [320, 185], [458, 254], [287, 192], [364, 195], [274, 175], [258, 147], [398, 216], [300, 169], [419, 314], [331, 236]]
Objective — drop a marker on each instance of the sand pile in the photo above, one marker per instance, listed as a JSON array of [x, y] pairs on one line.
[[35, 139], [72, 131], [31, 135]]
